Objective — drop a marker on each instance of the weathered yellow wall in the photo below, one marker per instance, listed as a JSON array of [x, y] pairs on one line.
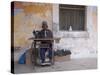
[[27, 17]]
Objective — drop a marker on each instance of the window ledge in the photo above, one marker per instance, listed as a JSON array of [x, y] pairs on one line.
[[74, 34]]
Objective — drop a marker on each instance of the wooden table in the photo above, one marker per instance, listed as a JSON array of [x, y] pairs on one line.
[[43, 39]]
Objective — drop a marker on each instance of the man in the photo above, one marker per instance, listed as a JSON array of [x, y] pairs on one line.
[[46, 33]]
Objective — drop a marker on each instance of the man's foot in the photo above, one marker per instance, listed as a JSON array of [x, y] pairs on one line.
[[45, 64], [43, 61]]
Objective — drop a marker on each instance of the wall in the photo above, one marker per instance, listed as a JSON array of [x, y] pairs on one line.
[[82, 44], [28, 17]]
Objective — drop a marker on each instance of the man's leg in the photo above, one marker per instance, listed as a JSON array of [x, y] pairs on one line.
[[50, 54], [42, 54]]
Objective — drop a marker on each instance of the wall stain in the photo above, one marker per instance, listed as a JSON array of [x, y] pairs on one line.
[[29, 17]]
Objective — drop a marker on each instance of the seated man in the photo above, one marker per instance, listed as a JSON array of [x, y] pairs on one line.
[[46, 33]]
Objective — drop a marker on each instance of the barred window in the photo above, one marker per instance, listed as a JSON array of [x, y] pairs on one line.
[[72, 16]]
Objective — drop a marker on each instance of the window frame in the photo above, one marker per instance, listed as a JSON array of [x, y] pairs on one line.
[[85, 17]]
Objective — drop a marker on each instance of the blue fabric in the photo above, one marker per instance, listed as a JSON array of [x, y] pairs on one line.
[[43, 51], [22, 59]]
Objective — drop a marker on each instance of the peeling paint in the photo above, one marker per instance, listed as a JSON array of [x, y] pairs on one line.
[[27, 17]]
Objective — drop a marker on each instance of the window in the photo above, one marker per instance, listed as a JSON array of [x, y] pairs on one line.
[[71, 16]]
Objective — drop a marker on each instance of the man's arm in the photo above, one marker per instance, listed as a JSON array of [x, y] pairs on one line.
[[50, 34]]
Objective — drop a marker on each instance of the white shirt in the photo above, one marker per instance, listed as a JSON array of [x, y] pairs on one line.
[[45, 33]]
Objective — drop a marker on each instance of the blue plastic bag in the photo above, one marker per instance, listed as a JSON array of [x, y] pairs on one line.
[[22, 59]]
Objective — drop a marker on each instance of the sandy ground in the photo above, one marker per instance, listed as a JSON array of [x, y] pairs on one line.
[[74, 64]]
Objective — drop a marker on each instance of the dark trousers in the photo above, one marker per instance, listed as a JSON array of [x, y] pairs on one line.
[[43, 51]]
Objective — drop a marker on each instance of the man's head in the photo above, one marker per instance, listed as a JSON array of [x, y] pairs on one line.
[[44, 25]]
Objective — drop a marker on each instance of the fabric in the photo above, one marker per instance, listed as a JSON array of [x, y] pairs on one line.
[[45, 34], [22, 59], [43, 51]]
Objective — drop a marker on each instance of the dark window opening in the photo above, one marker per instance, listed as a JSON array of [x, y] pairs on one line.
[[71, 16]]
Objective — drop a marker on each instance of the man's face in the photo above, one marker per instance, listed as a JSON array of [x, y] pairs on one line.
[[44, 26]]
